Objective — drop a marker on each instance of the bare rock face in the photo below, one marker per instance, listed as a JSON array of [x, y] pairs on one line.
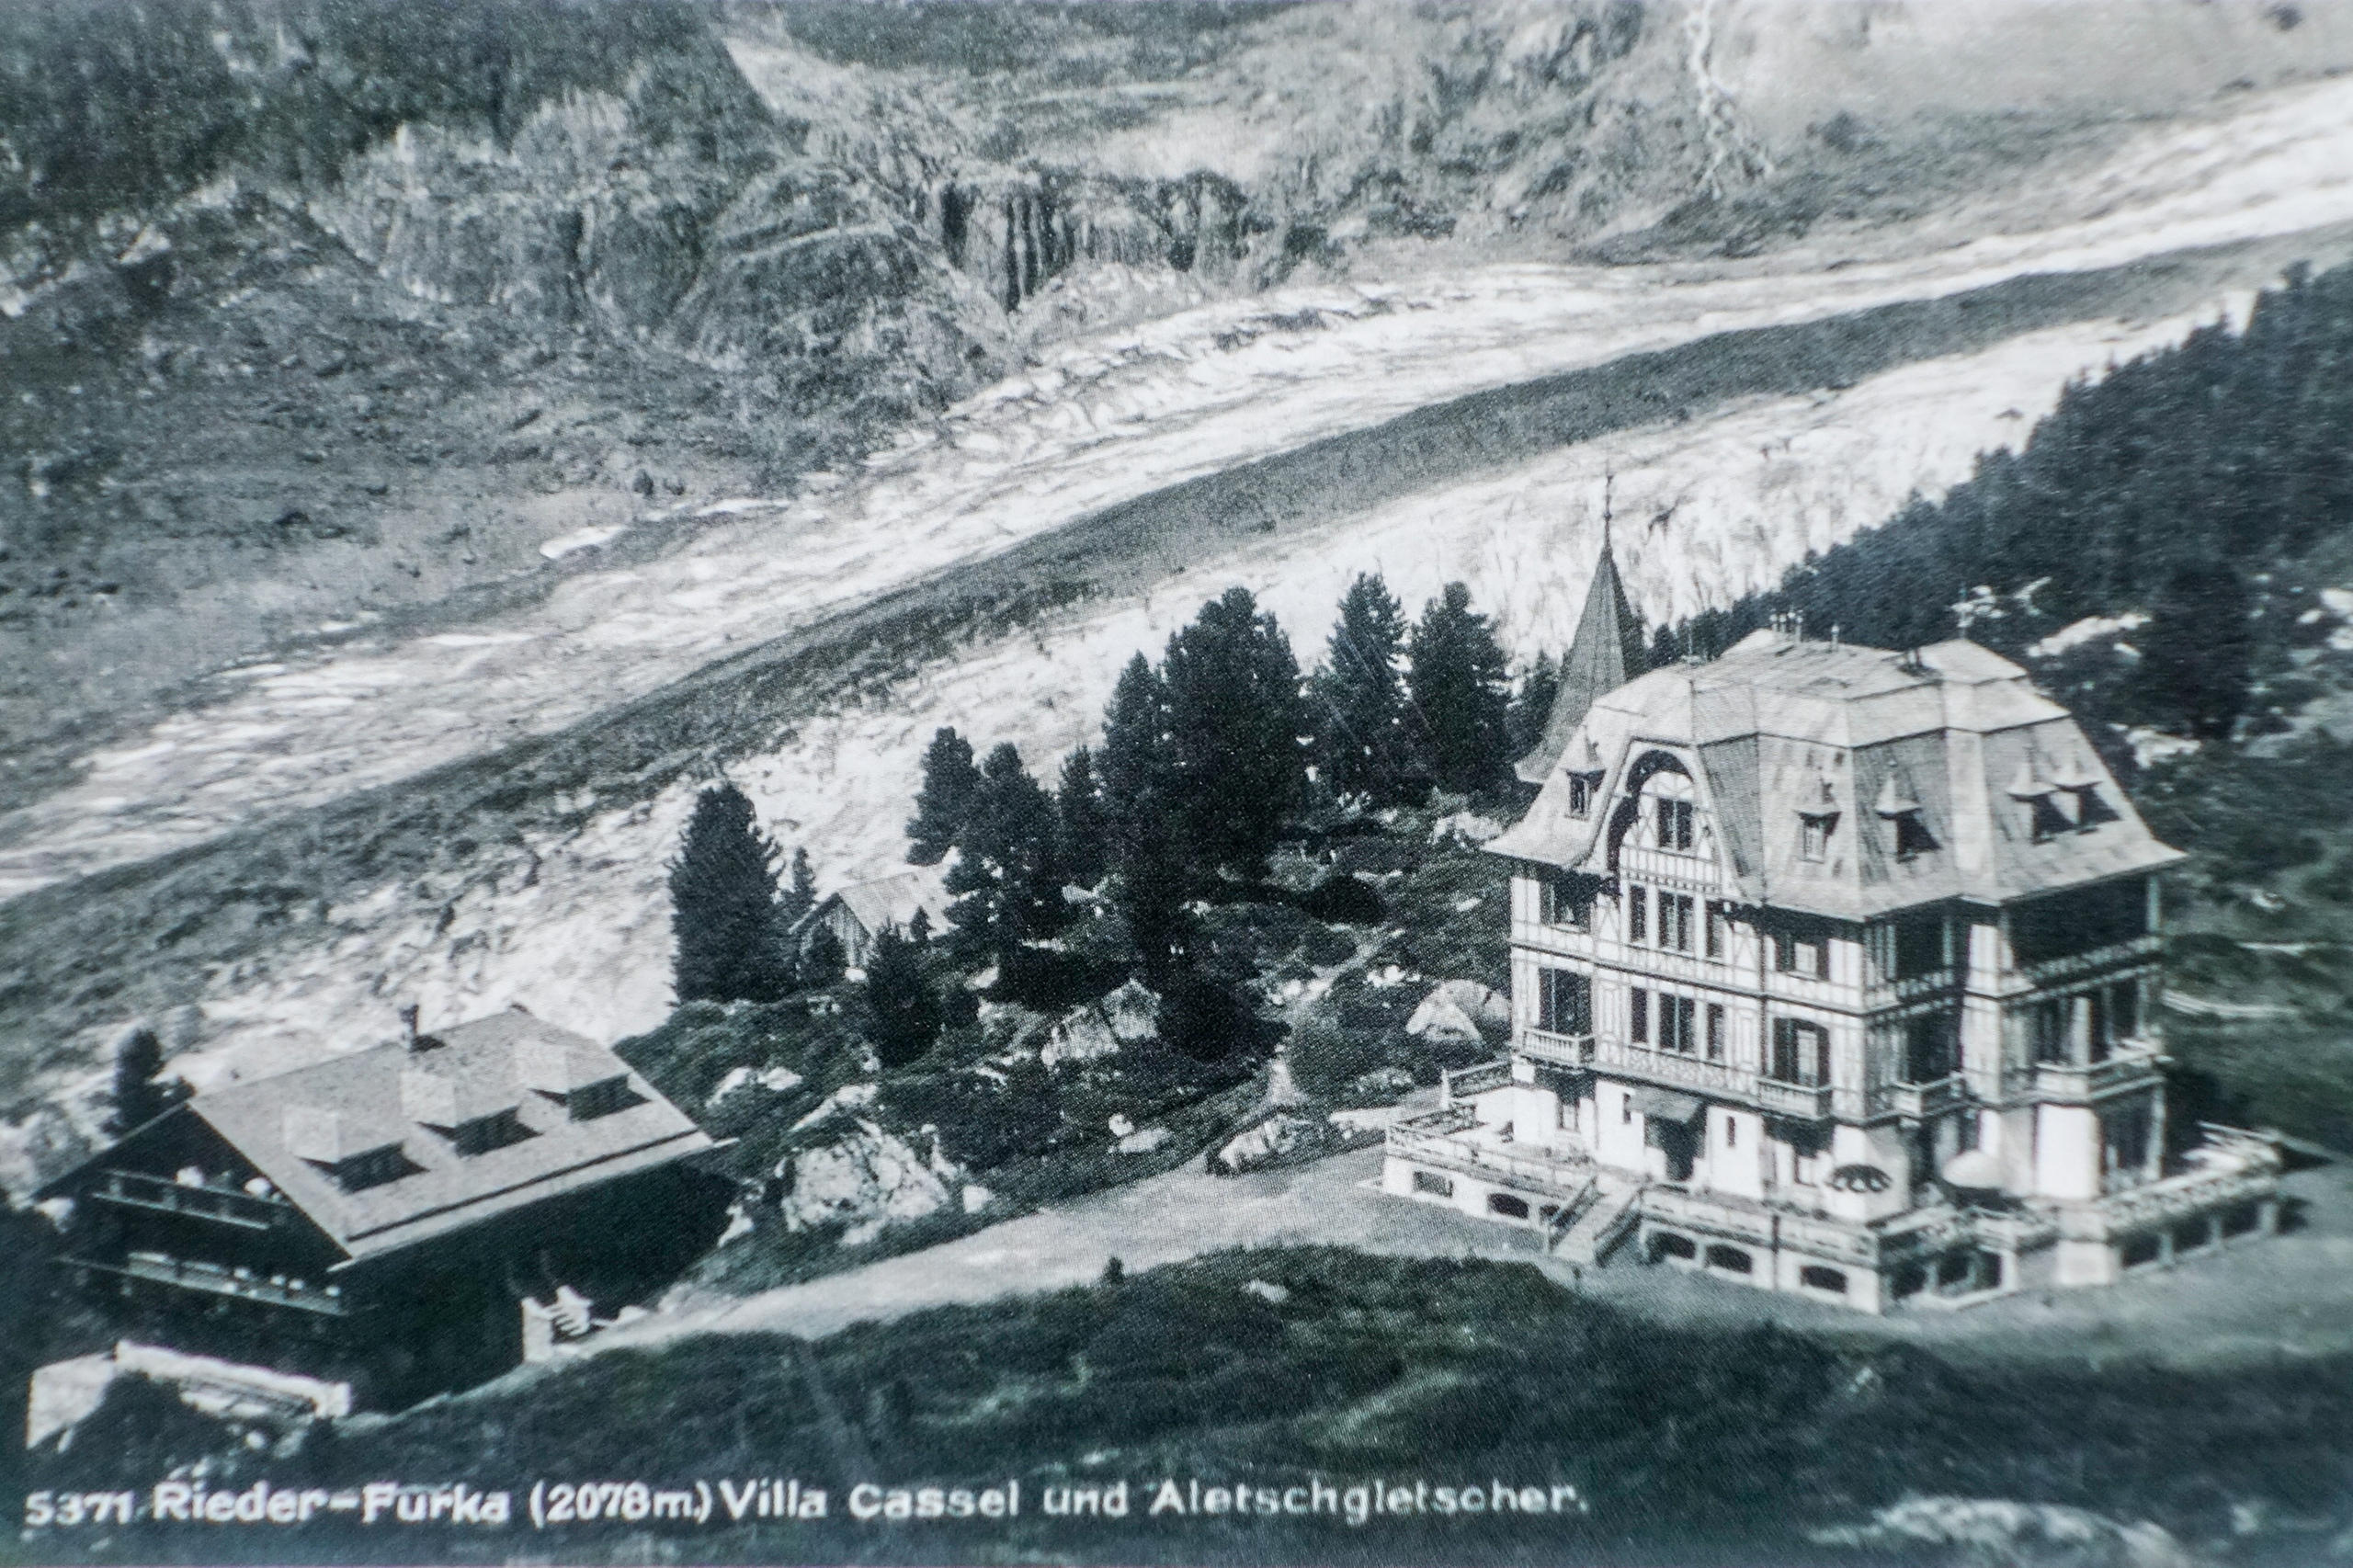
[[865, 1178]]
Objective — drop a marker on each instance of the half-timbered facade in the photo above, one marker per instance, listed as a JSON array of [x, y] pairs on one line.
[[1836, 970]]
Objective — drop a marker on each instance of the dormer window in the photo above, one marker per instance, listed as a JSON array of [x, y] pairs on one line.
[[1581, 787], [1896, 807], [1815, 829], [1674, 825]]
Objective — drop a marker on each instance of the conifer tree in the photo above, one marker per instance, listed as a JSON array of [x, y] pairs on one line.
[[2196, 651], [1456, 678], [1236, 726], [950, 783], [899, 995], [723, 906], [1006, 869], [800, 892], [1149, 893], [1133, 766], [140, 1094], [1357, 699], [1531, 706], [1078, 808], [822, 959]]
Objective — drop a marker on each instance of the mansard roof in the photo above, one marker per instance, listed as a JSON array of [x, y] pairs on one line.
[[1605, 654], [296, 1126], [1781, 727]]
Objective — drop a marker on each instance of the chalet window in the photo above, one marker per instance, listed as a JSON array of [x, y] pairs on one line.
[[1800, 1052], [1715, 933], [1801, 955], [1676, 1021], [1640, 1012], [1715, 1031], [1563, 1001], [1638, 912], [1566, 904], [1814, 836], [1580, 794], [1675, 824], [1675, 912]]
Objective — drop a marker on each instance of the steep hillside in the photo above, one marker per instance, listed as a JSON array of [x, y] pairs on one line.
[[316, 314]]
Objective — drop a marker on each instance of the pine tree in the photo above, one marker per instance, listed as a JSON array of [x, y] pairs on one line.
[[950, 783], [1078, 809], [1149, 893], [1007, 867], [1134, 762], [141, 1092], [1236, 722], [800, 894], [822, 959], [723, 906], [1456, 678], [2196, 651], [1357, 699], [1532, 706], [899, 995]]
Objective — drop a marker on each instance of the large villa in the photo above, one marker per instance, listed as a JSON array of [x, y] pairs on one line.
[[1834, 969]]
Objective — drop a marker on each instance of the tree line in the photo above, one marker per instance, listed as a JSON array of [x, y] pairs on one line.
[[2172, 487], [1204, 758]]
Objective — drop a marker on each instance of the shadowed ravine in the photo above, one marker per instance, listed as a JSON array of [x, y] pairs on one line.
[[84, 955]]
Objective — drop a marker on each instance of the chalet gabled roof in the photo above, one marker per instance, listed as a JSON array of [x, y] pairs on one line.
[[1780, 729], [894, 900], [1604, 656], [287, 1125]]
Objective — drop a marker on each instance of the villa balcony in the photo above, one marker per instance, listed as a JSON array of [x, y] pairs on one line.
[[2055, 971], [159, 1195], [1918, 1102], [2080, 1082], [219, 1279], [2232, 1168], [1451, 1140], [1721, 1080]]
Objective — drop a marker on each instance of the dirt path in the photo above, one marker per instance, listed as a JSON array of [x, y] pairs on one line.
[[2287, 1298]]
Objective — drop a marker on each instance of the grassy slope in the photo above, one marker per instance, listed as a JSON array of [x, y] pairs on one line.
[[1691, 1447]]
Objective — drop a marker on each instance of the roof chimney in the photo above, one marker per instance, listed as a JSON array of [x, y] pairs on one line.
[[408, 1025]]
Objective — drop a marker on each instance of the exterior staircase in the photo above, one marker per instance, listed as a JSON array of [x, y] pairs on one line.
[[1597, 1227]]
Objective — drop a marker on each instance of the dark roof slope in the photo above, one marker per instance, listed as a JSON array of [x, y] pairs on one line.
[[368, 1099]]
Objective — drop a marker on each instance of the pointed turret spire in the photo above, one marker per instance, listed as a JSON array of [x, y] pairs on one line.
[[1606, 653]]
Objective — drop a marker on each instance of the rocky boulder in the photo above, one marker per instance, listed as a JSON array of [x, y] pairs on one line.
[[865, 1179], [1460, 1012]]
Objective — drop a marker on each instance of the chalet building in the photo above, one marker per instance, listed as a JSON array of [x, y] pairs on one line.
[[858, 914], [1834, 969], [378, 1217]]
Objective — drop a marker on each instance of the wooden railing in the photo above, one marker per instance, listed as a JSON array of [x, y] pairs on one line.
[[1478, 1080], [136, 1189], [1916, 1101], [2072, 1082], [220, 1280]]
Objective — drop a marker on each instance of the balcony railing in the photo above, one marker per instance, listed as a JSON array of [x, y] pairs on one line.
[[1803, 1102], [1437, 1140], [1915, 1102], [1922, 1232], [1673, 1069], [2051, 971], [1561, 1050], [135, 1189], [2164, 1201], [1468, 1081], [2075, 1082], [220, 1280], [1886, 992]]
